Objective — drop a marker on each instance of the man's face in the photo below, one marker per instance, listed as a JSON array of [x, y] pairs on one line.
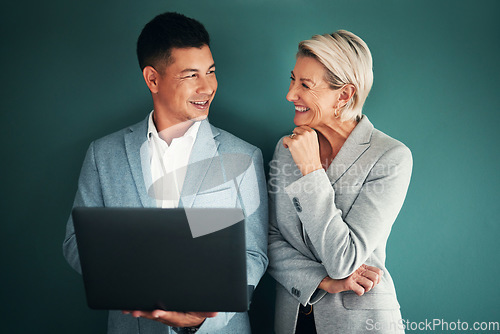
[[187, 86]]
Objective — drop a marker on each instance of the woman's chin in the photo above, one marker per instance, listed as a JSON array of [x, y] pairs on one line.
[[299, 120]]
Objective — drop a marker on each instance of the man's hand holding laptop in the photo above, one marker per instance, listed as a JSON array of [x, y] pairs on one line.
[[175, 319]]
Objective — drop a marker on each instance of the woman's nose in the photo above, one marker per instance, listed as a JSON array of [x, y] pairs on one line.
[[292, 95]]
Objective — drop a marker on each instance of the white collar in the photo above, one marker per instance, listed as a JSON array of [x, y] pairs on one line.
[[191, 132]]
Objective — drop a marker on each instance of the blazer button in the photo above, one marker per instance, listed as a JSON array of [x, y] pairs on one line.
[[295, 292], [296, 203]]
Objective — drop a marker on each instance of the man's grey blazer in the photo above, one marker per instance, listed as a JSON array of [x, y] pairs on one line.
[[112, 176], [328, 223]]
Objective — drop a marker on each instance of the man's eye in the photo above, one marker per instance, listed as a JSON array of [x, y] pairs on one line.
[[305, 86], [211, 72]]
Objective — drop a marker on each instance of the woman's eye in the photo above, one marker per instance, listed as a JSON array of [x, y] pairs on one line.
[[292, 78], [305, 86]]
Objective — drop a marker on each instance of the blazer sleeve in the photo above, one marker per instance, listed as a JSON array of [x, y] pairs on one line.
[[253, 200], [344, 244], [88, 194], [298, 273]]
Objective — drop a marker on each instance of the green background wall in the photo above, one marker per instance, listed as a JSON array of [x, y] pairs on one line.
[[69, 75]]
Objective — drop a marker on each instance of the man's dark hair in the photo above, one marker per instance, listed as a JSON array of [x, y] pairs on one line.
[[164, 32]]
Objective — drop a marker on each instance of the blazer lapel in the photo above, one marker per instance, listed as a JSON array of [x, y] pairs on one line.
[[202, 156], [137, 154], [355, 145]]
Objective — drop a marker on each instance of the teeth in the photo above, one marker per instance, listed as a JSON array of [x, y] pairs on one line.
[[301, 109], [200, 103]]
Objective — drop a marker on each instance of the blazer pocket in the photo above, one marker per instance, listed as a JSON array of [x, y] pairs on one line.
[[370, 301], [223, 198]]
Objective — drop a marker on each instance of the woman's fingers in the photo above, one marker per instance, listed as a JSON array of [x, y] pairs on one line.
[[286, 141], [304, 147], [366, 283], [364, 279], [379, 272], [358, 289], [373, 275]]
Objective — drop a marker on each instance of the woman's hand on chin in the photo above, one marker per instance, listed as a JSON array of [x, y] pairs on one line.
[[304, 147]]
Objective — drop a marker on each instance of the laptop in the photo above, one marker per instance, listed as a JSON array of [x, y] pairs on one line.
[[151, 258]]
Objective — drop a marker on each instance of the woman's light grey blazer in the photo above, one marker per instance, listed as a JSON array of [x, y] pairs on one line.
[[328, 223]]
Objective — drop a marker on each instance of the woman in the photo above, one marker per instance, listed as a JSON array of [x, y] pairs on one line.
[[336, 186]]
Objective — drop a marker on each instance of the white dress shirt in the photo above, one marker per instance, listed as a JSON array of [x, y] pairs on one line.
[[169, 163]]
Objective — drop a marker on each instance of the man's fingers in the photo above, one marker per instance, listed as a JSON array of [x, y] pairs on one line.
[[170, 315], [143, 314], [160, 314], [151, 315], [204, 314]]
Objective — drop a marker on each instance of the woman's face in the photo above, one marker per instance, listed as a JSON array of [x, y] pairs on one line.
[[314, 100]]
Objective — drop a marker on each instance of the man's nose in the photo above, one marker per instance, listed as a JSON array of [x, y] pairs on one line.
[[206, 85]]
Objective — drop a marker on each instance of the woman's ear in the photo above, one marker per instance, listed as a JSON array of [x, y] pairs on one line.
[[151, 77], [346, 93]]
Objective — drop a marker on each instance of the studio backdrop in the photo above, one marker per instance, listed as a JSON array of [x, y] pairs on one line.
[[70, 75]]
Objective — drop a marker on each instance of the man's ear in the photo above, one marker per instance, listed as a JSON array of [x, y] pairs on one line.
[[347, 92], [151, 77]]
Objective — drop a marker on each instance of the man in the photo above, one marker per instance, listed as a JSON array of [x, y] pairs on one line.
[[141, 166]]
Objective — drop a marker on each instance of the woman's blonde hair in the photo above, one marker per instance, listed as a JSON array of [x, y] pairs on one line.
[[347, 60]]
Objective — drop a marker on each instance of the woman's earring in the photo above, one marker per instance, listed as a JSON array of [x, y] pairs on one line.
[[336, 113]]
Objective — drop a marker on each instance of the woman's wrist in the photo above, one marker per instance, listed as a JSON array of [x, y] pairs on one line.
[[308, 168], [331, 285], [328, 285]]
